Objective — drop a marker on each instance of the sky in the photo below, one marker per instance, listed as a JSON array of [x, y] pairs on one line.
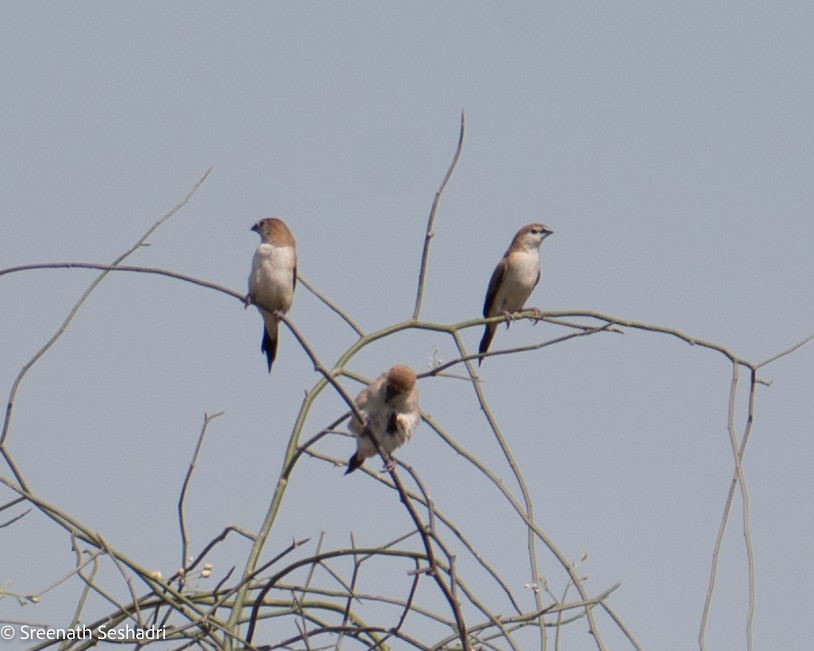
[[668, 145]]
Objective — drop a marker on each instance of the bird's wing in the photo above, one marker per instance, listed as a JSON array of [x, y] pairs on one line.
[[494, 284]]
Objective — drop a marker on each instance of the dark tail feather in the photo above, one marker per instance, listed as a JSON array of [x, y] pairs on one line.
[[355, 461], [269, 347], [488, 335]]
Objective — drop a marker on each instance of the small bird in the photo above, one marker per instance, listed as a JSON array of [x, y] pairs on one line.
[[390, 407], [513, 280], [273, 278]]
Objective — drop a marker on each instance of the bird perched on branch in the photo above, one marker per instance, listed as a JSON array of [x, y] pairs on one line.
[[272, 279], [513, 280], [390, 407]]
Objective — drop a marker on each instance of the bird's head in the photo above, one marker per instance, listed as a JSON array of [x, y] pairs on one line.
[[400, 381], [531, 236], [274, 231]]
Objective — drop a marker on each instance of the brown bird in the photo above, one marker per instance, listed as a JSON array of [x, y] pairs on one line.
[[273, 278], [390, 407], [513, 280]]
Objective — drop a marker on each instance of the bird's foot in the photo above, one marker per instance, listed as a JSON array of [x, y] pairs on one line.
[[509, 318], [536, 314], [247, 300], [389, 465], [278, 314]]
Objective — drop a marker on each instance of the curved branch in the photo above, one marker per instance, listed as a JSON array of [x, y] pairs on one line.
[[425, 254]]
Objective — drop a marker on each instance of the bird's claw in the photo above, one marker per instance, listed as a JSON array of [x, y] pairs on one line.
[[247, 300], [537, 314]]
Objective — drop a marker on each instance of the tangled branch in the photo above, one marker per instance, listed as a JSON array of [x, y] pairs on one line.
[[325, 603]]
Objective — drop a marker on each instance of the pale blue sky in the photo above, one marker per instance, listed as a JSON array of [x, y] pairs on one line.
[[669, 145]]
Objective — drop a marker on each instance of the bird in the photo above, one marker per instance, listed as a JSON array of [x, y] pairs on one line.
[[390, 407], [513, 279], [272, 279]]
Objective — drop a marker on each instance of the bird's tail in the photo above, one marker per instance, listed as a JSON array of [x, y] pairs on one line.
[[486, 341], [355, 461], [269, 345]]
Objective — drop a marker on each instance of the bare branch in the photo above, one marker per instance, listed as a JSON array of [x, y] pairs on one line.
[[181, 523], [425, 254], [788, 351], [331, 305]]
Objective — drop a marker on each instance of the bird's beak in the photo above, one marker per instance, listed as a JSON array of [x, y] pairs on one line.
[[255, 228]]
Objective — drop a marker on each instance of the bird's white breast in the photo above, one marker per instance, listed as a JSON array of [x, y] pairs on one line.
[[518, 280], [272, 277]]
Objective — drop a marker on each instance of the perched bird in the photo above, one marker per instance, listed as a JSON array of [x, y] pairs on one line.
[[390, 407], [514, 278], [273, 278]]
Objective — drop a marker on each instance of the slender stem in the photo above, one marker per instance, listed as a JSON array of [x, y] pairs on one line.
[[425, 254]]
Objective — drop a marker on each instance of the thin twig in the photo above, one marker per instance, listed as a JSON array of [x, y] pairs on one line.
[[217, 539], [425, 254], [354, 576], [331, 305], [14, 519], [737, 480], [513, 351], [80, 604], [788, 351], [128, 580], [157, 271], [92, 557], [13, 502], [181, 498]]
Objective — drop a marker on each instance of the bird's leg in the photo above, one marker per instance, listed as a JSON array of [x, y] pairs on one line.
[[536, 312], [389, 465], [509, 318]]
